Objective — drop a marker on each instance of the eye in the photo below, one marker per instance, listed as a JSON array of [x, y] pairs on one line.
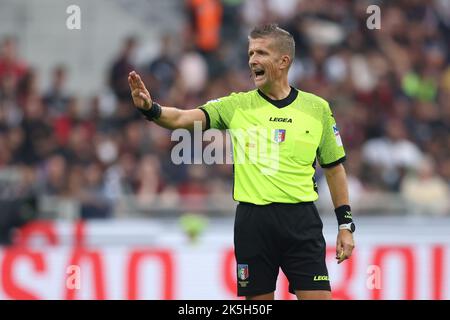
[[262, 53]]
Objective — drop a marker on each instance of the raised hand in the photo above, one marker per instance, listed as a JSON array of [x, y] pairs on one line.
[[139, 93]]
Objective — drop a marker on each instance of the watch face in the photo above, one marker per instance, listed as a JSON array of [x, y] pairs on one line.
[[352, 227]]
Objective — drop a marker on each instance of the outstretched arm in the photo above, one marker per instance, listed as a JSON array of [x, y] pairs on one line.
[[337, 183], [171, 118]]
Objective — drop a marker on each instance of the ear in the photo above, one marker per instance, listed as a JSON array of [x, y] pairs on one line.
[[285, 62]]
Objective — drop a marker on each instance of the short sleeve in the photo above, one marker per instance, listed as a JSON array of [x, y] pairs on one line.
[[331, 150], [219, 112]]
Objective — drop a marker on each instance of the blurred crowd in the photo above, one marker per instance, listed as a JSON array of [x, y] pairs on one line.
[[389, 89]]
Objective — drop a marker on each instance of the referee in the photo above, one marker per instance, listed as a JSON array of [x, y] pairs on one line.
[[277, 224]]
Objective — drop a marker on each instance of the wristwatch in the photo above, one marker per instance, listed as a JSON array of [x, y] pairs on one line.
[[348, 226]]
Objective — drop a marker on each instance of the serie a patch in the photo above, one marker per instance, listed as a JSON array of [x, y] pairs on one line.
[[337, 136]]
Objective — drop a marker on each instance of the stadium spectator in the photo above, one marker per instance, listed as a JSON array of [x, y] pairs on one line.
[[10, 65], [56, 97], [425, 191], [94, 203], [163, 69], [390, 155], [39, 141], [54, 176], [120, 69], [148, 182], [205, 22]]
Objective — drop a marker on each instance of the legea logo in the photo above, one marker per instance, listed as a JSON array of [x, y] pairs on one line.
[[275, 119]]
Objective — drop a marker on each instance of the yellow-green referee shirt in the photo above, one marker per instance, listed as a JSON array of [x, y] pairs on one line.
[[276, 143]]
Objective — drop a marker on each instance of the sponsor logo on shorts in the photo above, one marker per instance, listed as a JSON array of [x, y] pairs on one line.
[[321, 278]]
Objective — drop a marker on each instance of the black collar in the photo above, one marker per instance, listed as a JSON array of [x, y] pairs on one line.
[[283, 102]]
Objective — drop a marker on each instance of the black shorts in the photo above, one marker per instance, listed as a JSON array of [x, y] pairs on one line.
[[267, 237]]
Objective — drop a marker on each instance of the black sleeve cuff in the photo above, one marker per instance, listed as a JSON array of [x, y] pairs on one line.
[[335, 163], [208, 120]]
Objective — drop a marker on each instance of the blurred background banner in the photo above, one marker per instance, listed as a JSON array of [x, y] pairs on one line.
[[156, 260], [75, 152]]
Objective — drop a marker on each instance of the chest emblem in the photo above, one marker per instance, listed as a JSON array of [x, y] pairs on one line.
[[279, 135]]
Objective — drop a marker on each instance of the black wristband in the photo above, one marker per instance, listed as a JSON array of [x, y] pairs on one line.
[[344, 214], [152, 114]]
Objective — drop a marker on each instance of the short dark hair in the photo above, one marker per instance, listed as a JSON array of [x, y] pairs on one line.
[[284, 39]]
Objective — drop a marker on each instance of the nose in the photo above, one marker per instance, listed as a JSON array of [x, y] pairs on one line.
[[252, 60]]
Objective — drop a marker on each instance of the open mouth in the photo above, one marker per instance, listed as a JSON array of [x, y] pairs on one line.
[[258, 73]]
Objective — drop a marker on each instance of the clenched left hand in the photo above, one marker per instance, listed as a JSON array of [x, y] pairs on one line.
[[344, 245]]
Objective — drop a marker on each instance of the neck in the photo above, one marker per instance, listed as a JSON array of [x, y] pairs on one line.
[[278, 90]]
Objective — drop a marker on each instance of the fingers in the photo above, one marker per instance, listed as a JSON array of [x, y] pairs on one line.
[[146, 100], [340, 256], [130, 83], [141, 96], [348, 250], [140, 83], [132, 80], [135, 81], [344, 252], [344, 246], [136, 93], [339, 248]]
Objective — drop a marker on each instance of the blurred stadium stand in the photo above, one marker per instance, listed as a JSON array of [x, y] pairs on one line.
[[44, 40], [70, 136]]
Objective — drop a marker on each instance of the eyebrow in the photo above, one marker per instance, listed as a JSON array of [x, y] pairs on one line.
[[257, 50]]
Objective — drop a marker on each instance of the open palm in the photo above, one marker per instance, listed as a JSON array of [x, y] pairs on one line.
[[139, 93]]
